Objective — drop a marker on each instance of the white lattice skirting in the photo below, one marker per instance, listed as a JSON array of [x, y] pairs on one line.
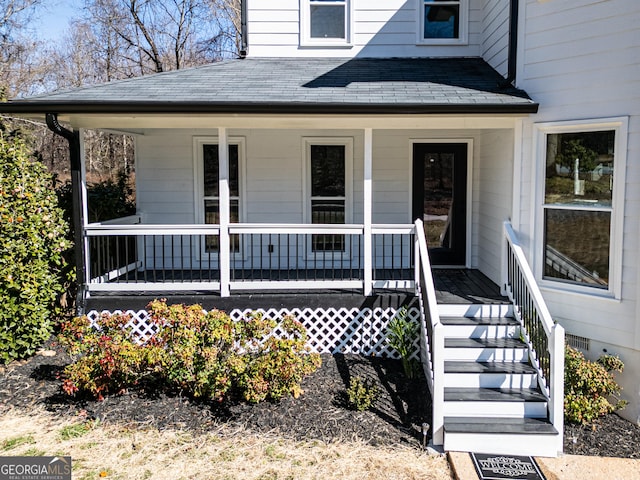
[[330, 330]]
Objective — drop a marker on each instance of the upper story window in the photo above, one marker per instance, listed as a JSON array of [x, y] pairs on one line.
[[325, 22], [443, 22]]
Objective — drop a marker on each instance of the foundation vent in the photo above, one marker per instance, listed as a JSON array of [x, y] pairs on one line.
[[575, 341]]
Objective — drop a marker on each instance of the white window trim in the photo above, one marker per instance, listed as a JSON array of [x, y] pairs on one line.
[[469, 206], [198, 175], [307, 142], [305, 28], [463, 38], [621, 126]]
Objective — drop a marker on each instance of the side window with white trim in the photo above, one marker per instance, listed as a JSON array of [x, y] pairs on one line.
[[581, 209], [211, 198], [329, 163]]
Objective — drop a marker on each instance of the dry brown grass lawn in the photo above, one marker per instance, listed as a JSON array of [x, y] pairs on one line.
[[107, 451]]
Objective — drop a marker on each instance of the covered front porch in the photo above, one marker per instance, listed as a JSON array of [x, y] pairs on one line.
[[328, 205]]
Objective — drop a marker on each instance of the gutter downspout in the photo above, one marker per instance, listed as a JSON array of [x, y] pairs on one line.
[[73, 137], [244, 33], [512, 63]]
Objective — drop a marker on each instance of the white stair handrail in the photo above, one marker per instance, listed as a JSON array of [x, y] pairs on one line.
[[516, 265], [433, 361]]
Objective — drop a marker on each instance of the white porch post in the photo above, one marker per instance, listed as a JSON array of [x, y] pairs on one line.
[[85, 209], [368, 209], [225, 215]]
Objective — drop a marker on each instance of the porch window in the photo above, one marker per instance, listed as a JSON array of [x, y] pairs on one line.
[[443, 21], [580, 222], [329, 170], [325, 22], [211, 197]]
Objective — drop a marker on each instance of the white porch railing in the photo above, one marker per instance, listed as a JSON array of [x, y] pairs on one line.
[[431, 332], [545, 338], [126, 256]]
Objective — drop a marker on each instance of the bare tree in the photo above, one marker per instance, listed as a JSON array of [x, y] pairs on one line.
[[17, 50], [228, 17], [155, 36]]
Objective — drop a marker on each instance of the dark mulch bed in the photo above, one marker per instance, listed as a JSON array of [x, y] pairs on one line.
[[320, 413]]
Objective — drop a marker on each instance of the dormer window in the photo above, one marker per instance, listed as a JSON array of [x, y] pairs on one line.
[[325, 22], [443, 22]]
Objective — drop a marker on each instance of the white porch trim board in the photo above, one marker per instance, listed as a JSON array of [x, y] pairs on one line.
[[368, 209], [225, 215]]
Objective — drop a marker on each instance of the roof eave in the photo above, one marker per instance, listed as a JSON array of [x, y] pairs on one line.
[[134, 108]]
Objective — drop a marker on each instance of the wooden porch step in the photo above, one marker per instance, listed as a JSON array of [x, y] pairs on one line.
[[502, 368], [493, 343], [479, 321], [454, 394], [481, 327], [494, 402], [464, 374], [499, 425]]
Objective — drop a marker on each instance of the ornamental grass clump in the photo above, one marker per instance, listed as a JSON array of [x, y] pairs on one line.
[[590, 390], [202, 354], [402, 334], [33, 270]]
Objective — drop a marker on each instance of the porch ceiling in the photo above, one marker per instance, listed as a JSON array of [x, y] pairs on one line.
[[289, 86]]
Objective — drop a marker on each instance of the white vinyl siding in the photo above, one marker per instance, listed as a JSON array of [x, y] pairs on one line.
[[493, 187], [379, 28], [578, 59], [495, 35]]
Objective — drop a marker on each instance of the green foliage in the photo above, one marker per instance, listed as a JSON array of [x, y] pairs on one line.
[[77, 430], [574, 148], [32, 245], [401, 335], [362, 394], [275, 368], [206, 355], [15, 442], [106, 200], [589, 387], [108, 359], [196, 349]]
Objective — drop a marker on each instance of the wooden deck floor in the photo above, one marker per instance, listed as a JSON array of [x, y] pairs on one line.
[[453, 286], [463, 286]]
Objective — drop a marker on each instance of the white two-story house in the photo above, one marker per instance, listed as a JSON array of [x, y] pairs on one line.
[[475, 161]]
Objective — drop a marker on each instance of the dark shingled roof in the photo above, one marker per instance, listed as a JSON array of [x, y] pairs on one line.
[[298, 85]]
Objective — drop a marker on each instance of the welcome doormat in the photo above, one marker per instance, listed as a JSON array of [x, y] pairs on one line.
[[499, 467]]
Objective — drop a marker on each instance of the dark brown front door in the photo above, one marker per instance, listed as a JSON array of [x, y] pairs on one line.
[[440, 199]]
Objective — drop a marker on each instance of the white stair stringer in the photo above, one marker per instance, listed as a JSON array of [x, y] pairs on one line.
[[492, 402]]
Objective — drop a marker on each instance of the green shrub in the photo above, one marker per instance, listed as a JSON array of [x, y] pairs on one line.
[[589, 387], [206, 355], [32, 243], [108, 360], [198, 349], [401, 335], [276, 367], [361, 394], [106, 200]]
